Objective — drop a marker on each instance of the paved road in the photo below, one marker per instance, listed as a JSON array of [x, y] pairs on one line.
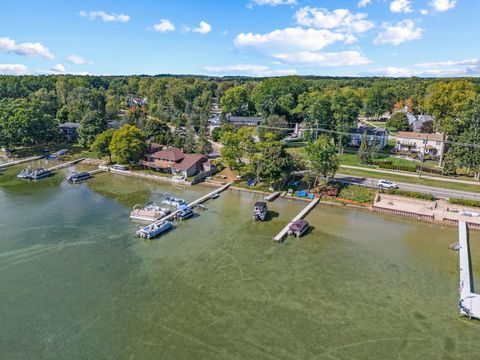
[[438, 192]]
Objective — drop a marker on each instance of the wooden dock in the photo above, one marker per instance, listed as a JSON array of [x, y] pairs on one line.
[[281, 235], [21, 161], [272, 197], [195, 203], [469, 301], [65, 165]]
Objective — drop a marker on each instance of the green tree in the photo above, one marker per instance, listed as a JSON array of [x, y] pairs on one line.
[[365, 150], [102, 143], [190, 141], [323, 158], [128, 144], [204, 146], [399, 121], [237, 101], [93, 123]]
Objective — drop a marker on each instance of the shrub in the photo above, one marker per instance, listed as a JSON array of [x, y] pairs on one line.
[[465, 202], [397, 167], [411, 194]]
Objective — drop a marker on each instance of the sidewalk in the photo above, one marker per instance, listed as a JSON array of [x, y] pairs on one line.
[[436, 178]]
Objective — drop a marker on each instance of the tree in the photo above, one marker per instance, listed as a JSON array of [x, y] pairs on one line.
[[275, 125], [399, 121], [445, 100], [128, 144], [449, 165], [155, 128], [102, 143], [92, 124], [323, 158], [276, 165], [237, 101], [190, 141], [204, 146], [365, 150], [345, 107]]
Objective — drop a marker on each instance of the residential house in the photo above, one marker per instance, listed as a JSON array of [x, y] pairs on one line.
[[244, 120], [416, 122], [136, 101], [420, 143], [377, 136], [174, 161], [70, 131]]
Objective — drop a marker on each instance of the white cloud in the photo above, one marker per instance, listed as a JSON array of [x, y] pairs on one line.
[[247, 69], [13, 69], [396, 34], [451, 68], [203, 28], [324, 59], [291, 39], [273, 2], [338, 19], [78, 60], [105, 16], [363, 3], [400, 6], [164, 25], [27, 49], [58, 69], [443, 5], [424, 12]]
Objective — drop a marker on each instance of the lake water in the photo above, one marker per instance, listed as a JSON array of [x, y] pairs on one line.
[[76, 284]]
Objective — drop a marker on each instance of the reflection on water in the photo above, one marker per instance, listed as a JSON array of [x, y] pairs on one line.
[[76, 284]]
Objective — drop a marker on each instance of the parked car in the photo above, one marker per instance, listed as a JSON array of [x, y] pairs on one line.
[[385, 184], [119, 167]]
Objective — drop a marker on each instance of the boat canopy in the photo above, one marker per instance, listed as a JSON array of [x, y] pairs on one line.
[[183, 207]]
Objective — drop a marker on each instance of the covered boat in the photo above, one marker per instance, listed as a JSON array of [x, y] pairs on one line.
[[40, 173], [57, 154], [153, 230], [172, 201], [298, 228], [260, 211], [148, 212], [25, 174], [78, 177], [184, 213]]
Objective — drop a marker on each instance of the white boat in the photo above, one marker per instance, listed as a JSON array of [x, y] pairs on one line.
[[260, 211], [175, 202], [150, 212], [40, 173], [25, 174], [153, 230], [75, 177]]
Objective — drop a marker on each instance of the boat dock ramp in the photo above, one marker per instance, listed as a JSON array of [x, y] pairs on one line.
[[272, 196], [64, 165], [21, 161], [469, 301], [281, 235]]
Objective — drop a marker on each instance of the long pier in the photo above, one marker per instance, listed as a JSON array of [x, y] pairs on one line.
[[65, 165], [21, 161], [469, 301], [194, 203], [281, 235]]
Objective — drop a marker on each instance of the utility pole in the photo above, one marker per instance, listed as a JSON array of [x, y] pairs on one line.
[[422, 156], [316, 132]]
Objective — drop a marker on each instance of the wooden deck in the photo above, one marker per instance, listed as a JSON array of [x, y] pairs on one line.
[[469, 300], [21, 161]]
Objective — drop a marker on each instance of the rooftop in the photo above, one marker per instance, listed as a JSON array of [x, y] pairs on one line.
[[171, 154], [420, 136], [189, 161]]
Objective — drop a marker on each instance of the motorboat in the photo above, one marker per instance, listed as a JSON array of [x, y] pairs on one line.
[[75, 177], [260, 211], [149, 212], [57, 155], [215, 196], [298, 228], [40, 173], [153, 230], [25, 174], [184, 213], [172, 201]]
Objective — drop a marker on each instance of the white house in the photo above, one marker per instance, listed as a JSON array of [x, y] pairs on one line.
[[377, 136], [427, 144]]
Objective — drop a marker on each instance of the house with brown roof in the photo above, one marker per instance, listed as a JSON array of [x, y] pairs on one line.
[[173, 160], [421, 143]]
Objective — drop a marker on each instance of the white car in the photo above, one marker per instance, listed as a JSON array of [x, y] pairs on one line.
[[385, 184]]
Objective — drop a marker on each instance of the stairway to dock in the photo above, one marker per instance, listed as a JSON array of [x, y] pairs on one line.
[[469, 301], [281, 235]]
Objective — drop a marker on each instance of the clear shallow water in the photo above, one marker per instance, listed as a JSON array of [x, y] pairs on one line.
[[76, 284]]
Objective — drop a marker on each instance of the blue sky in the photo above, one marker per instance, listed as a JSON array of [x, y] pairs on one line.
[[241, 37]]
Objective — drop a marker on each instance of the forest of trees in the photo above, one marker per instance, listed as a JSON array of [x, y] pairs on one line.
[[32, 107]]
